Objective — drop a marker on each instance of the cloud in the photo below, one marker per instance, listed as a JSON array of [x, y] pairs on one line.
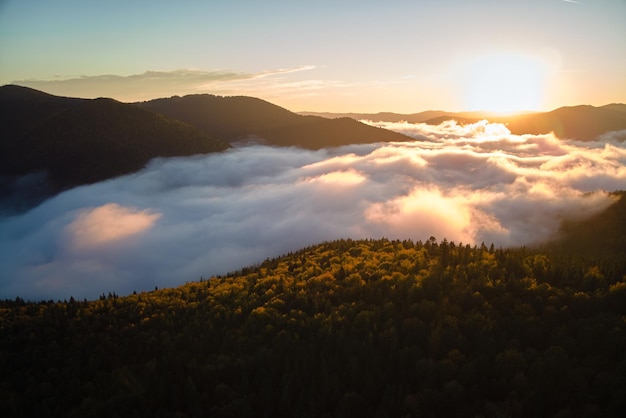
[[107, 225], [153, 84], [183, 218], [613, 136]]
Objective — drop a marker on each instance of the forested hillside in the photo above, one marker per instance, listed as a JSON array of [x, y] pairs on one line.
[[242, 118], [602, 235], [346, 328]]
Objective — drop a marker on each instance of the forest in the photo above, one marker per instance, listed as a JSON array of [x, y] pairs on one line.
[[380, 328]]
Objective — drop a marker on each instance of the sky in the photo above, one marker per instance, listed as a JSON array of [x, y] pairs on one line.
[[181, 219], [339, 56]]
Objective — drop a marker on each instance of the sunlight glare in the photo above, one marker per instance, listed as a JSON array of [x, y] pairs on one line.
[[505, 83]]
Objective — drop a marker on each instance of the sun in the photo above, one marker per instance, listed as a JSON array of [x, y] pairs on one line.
[[504, 83]]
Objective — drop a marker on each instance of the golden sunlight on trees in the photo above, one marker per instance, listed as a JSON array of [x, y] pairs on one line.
[[344, 328]]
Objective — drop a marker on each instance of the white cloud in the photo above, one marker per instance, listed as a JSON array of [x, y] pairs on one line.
[[183, 218], [108, 224]]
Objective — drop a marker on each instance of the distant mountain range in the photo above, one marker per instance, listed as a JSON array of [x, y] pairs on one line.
[[49, 143], [62, 142], [583, 123], [428, 116], [339, 328], [247, 118]]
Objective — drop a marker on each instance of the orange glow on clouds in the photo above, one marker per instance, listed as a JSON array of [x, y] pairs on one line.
[[424, 207], [108, 224]]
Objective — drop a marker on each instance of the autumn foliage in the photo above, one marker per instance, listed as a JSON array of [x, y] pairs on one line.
[[345, 328]]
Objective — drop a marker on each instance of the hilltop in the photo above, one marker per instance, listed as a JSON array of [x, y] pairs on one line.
[[428, 116], [241, 118], [584, 123], [50, 143]]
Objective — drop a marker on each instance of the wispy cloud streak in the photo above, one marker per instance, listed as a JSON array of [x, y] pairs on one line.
[[153, 84]]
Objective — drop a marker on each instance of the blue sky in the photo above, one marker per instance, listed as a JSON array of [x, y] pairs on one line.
[[402, 56]]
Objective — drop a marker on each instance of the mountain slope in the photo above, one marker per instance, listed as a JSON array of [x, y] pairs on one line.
[[430, 116], [345, 328], [24, 109], [584, 123], [242, 118], [79, 141], [603, 234]]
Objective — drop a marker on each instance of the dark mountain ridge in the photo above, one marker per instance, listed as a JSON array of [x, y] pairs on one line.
[[603, 234], [583, 122], [241, 118], [65, 142], [428, 116]]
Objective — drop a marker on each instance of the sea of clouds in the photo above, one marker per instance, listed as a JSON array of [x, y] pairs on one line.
[[181, 219]]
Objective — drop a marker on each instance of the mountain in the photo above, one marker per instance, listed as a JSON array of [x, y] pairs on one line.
[[59, 142], [584, 123], [603, 234], [247, 118], [344, 328]]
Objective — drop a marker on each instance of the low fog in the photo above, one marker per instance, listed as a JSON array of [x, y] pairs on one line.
[[181, 219]]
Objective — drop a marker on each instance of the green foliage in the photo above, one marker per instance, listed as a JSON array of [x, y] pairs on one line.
[[345, 328]]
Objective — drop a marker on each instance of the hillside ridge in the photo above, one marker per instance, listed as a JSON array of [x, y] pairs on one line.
[[55, 143], [343, 328], [237, 118]]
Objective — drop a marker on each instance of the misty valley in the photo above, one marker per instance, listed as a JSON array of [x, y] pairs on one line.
[[223, 256]]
